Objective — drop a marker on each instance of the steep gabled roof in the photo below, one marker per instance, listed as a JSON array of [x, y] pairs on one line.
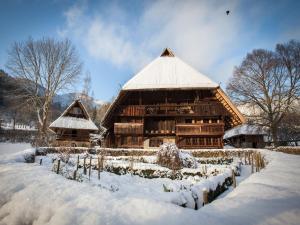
[[168, 71], [70, 122]]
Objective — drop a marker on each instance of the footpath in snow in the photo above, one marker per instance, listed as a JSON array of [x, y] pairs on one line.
[[31, 194]]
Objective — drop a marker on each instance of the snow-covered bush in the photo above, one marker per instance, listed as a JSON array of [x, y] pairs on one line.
[[168, 156], [29, 156], [64, 154], [187, 160]]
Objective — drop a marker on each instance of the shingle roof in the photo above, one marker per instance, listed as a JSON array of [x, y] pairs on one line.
[[168, 71], [244, 129], [69, 122]]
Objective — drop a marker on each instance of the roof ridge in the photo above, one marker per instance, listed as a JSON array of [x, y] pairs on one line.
[[167, 52]]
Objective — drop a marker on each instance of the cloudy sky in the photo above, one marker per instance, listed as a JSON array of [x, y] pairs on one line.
[[115, 39]]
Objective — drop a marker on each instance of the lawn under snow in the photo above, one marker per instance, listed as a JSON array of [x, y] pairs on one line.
[[32, 194], [9, 148]]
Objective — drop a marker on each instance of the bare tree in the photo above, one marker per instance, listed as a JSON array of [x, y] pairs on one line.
[[44, 67], [87, 84], [101, 111], [269, 81]]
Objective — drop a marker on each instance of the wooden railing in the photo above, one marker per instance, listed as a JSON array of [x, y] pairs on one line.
[[160, 132], [199, 142], [201, 109], [128, 128], [200, 129], [73, 137]]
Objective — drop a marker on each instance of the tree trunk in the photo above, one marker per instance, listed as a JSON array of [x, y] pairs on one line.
[[43, 138], [274, 132]]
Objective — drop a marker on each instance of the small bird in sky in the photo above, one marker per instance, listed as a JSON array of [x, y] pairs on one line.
[[227, 12]]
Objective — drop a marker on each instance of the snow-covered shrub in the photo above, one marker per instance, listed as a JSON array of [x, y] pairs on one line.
[[64, 154], [29, 156], [41, 151], [168, 156], [187, 160]]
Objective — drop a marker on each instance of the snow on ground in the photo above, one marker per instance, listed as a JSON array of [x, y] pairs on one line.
[[9, 148], [31, 194]]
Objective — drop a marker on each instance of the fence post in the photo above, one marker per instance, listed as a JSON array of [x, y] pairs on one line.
[[58, 165], [84, 167], [205, 196], [233, 179], [90, 168], [98, 168], [257, 162], [77, 162], [252, 164], [74, 175]]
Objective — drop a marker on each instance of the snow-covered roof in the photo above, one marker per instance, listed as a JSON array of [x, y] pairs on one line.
[[168, 71], [69, 122], [244, 129]]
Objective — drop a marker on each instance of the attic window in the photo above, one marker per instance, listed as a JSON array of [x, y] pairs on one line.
[[167, 53]]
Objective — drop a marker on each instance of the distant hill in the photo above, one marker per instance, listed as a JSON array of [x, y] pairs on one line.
[[66, 99]]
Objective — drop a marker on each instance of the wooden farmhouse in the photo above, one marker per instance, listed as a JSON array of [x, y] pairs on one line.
[[169, 101], [246, 136], [74, 126]]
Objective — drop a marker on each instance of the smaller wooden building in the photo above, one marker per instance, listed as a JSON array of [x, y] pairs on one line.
[[245, 136], [74, 126]]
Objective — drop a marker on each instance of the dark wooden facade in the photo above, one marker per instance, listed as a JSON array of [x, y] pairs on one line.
[[247, 141], [195, 118], [169, 101]]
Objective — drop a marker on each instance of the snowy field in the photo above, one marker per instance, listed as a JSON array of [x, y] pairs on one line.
[[33, 194], [9, 148]]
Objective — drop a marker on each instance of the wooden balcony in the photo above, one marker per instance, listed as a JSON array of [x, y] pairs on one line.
[[200, 129], [160, 132], [72, 137], [198, 109], [199, 142], [128, 128]]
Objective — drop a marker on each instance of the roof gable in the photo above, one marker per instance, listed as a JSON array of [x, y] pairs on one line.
[[167, 52], [74, 117], [76, 109], [168, 72]]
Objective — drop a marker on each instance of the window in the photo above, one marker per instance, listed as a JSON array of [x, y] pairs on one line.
[[208, 141], [155, 142], [123, 140], [188, 120], [201, 141], [74, 133], [195, 141], [134, 140]]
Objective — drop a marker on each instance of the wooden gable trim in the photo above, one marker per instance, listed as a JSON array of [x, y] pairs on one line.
[[81, 106], [109, 113], [238, 117]]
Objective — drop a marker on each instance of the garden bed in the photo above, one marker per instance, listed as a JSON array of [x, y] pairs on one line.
[[140, 175]]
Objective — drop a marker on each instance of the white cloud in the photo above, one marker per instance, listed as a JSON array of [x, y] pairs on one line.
[[103, 38], [199, 32]]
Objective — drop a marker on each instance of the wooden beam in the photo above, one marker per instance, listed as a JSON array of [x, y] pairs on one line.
[[230, 106]]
